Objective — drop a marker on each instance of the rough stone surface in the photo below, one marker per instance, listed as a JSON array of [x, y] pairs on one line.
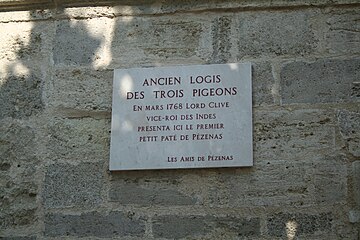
[[293, 134], [80, 42], [293, 183], [148, 189], [323, 81], [356, 181], [21, 41], [176, 227], [303, 224], [221, 34], [343, 35], [263, 84], [95, 224], [277, 34], [241, 227], [68, 185], [179, 227], [20, 96], [18, 163], [78, 139], [330, 182], [150, 194], [91, 89], [349, 123], [167, 39]]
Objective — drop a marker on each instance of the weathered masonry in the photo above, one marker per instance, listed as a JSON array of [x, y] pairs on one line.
[[56, 69]]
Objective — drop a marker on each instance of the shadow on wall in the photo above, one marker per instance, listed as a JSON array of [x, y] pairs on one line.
[[25, 80], [20, 84], [20, 98]]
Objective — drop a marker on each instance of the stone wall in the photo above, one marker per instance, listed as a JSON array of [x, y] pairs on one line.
[[56, 67]]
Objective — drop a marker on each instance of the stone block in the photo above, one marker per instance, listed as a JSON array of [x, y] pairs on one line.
[[19, 186], [293, 134], [281, 183], [20, 96], [148, 194], [349, 124], [330, 180], [269, 34], [177, 227], [94, 224], [221, 39], [241, 227], [342, 35], [322, 81], [263, 84], [299, 224], [159, 41], [162, 188], [82, 89], [17, 143], [68, 185], [356, 182], [78, 139], [82, 42], [18, 218]]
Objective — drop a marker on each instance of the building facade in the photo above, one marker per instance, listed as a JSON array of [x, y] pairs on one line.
[[56, 70]]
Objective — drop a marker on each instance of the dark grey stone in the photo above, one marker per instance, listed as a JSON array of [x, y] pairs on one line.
[[19, 217], [132, 193], [93, 224], [306, 224], [20, 96], [176, 227], [323, 81], [69, 185], [241, 226]]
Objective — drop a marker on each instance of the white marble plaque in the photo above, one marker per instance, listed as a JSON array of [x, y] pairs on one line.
[[197, 116]]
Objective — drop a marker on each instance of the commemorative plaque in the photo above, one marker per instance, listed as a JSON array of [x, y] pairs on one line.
[[197, 116]]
